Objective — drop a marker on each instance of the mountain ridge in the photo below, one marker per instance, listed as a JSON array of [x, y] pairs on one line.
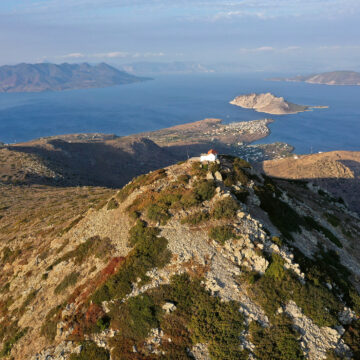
[[327, 78], [52, 77], [225, 262]]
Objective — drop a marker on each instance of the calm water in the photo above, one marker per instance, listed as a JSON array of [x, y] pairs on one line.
[[171, 100]]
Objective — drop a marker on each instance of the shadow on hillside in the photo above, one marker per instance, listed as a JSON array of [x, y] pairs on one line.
[[108, 164], [347, 189]]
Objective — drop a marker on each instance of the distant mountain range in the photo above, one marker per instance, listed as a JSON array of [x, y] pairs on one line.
[[328, 78], [176, 67], [53, 77]]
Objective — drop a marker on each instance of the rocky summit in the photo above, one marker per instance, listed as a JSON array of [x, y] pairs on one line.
[[193, 261]]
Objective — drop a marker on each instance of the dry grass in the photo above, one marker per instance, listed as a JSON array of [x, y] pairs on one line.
[[44, 211]]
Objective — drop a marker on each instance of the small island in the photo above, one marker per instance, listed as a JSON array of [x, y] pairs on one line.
[[328, 78], [54, 77], [270, 104]]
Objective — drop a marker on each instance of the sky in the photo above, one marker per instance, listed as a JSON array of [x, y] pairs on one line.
[[294, 36]]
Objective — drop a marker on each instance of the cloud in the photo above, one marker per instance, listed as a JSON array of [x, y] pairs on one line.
[[111, 55], [258, 49], [264, 49], [73, 56], [216, 8]]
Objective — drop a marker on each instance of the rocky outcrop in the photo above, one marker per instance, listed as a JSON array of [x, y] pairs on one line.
[[268, 103]]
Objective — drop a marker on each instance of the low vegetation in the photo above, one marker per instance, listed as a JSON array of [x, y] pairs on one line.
[[69, 280], [225, 209], [149, 251], [49, 326], [142, 180], [112, 204], [221, 233], [279, 341], [199, 317], [10, 342], [278, 286], [89, 350], [94, 246], [196, 218], [157, 206], [284, 217]]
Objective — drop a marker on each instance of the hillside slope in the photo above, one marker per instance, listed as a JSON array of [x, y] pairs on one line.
[[338, 172], [188, 262], [73, 160], [53, 77]]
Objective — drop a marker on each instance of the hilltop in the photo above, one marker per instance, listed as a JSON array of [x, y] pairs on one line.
[[193, 261], [338, 172], [328, 78], [53, 77], [268, 103]]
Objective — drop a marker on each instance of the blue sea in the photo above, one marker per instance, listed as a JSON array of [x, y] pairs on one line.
[[177, 99]]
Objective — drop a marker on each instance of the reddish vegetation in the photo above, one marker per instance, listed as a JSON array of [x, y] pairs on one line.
[[82, 292], [85, 318], [110, 269], [84, 323]]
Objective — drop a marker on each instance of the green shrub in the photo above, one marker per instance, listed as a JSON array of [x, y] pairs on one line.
[[135, 318], [28, 301], [158, 213], [196, 218], [221, 233], [90, 351], [276, 268], [241, 163], [241, 195], [150, 251], [311, 224], [327, 268], [141, 180], [277, 342], [183, 179], [286, 219], [199, 317], [225, 209], [209, 319], [352, 338], [205, 189], [69, 280], [198, 169], [9, 344], [71, 225], [278, 286], [141, 232], [112, 204], [332, 219], [100, 248], [49, 326], [281, 214], [190, 199], [103, 323], [9, 255], [5, 289], [277, 240]]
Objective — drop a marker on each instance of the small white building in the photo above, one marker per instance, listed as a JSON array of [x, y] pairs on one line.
[[211, 156]]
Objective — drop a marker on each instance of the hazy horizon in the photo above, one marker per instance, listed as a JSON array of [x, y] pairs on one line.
[[256, 35]]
